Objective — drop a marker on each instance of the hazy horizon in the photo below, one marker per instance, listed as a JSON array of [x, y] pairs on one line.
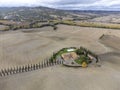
[[109, 5]]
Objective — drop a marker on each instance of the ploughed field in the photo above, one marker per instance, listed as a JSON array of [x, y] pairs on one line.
[[34, 45]]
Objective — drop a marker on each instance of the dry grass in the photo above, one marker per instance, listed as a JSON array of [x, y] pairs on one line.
[[89, 24], [100, 25]]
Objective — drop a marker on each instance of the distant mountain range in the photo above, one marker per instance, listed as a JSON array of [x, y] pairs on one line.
[[45, 13]]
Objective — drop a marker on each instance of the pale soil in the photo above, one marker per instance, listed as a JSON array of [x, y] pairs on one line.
[[111, 41], [19, 48], [106, 77]]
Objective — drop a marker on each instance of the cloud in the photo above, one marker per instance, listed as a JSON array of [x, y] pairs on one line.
[[92, 5], [65, 4], [9, 3]]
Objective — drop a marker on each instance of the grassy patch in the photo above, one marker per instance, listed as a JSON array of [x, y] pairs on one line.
[[61, 52], [88, 24], [82, 59], [99, 25]]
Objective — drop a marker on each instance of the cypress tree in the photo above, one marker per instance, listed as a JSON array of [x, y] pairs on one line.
[[17, 69], [20, 69], [44, 64], [25, 68], [0, 72], [39, 65], [3, 72], [6, 72], [10, 70], [28, 67], [48, 62], [31, 67], [36, 66]]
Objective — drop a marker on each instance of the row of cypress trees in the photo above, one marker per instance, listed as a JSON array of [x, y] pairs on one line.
[[29, 67]]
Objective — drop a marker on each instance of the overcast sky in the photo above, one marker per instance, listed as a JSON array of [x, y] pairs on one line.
[[66, 4]]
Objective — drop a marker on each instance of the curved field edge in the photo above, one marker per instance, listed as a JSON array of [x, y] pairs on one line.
[[54, 23]]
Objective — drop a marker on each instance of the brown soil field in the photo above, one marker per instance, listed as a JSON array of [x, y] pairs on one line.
[[21, 48]]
